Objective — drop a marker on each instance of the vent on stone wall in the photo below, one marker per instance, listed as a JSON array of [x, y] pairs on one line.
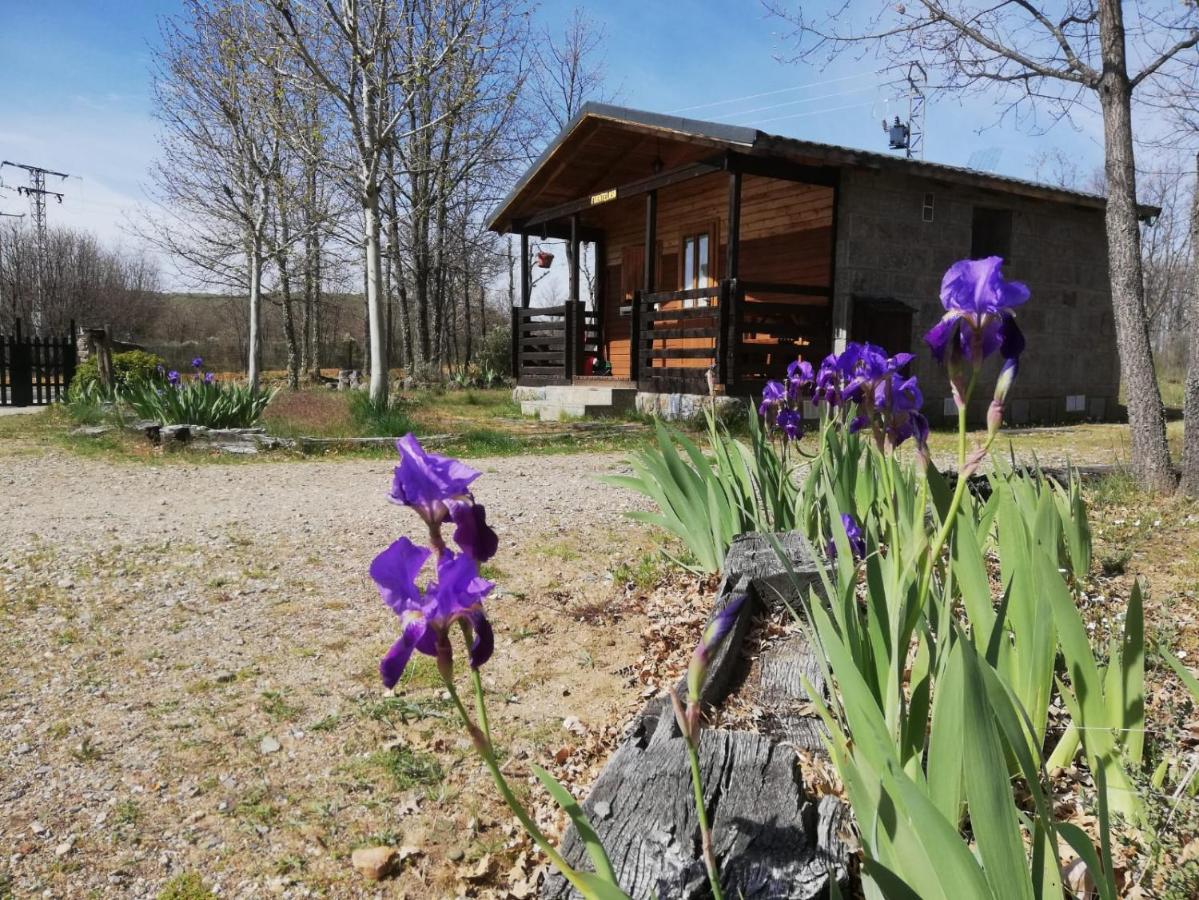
[[1076, 403], [928, 207], [949, 407]]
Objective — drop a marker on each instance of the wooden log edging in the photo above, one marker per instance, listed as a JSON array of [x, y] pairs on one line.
[[772, 839]]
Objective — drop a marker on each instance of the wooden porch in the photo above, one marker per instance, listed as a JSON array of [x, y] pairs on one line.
[[713, 271]]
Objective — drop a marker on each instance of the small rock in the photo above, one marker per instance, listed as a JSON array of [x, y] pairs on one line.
[[65, 847], [376, 863], [37, 827], [225, 676], [455, 855], [269, 745]]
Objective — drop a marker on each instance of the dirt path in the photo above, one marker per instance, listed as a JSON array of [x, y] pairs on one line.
[[191, 673]]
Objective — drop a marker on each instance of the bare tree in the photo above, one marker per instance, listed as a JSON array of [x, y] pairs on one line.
[[1189, 483], [1040, 59], [353, 49], [568, 71], [83, 280], [220, 154]]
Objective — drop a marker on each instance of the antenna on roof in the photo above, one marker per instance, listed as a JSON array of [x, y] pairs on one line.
[[909, 136], [984, 160]]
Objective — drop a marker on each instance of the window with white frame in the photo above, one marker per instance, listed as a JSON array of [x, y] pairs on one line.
[[696, 252]]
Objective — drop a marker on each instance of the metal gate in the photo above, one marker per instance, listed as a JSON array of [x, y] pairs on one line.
[[35, 370]]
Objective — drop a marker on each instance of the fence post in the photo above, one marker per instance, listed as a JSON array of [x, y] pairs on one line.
[[20, 370], [635, 339], [722, 334], [70, 360], [569, 327], [516, 343]]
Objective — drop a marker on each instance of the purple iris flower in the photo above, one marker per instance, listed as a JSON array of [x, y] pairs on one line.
[[853, 532], [978, 320], [773, 394], [827, 388], [425, 481], [426, 617], [471, 531], [790, 423], [438, 488], [197, 362], [209, 377], [801, 381], [173, 377]]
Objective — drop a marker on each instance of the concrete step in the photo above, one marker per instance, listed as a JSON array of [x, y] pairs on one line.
[[553, 403]]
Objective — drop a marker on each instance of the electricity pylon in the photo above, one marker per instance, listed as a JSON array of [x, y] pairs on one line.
[[37, 193]]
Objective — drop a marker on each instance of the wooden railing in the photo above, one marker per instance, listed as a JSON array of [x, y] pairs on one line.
[[675, 343], [549, 343], [772, 323], [740, 337], [36, 370]]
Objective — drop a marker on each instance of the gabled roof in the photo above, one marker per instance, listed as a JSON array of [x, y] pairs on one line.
[[692, 139]]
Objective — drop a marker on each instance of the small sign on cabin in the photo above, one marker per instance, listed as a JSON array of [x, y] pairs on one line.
[[603, 197]]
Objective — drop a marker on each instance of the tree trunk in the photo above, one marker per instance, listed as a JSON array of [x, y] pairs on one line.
[[1146, 415], [1189, 485], [374, 299], [289, 321], [254, 350]]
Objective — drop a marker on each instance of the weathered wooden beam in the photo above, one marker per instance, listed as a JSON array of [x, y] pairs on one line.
[[782, 169], [771, 839], [631, 189]]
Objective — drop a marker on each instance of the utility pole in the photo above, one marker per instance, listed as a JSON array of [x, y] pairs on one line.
[[37, 193], [917, 78]]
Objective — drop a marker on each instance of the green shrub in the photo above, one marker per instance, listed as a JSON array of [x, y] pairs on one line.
[[496, 353], [134, 367], [197, 401], [386, 419]]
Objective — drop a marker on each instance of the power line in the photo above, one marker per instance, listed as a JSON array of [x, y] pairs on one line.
[[814, 112], [36, 192], [758, 109], [796, 87]]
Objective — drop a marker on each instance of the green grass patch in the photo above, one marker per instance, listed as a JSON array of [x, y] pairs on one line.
[[276, 705], [407, 768], [186, 886]]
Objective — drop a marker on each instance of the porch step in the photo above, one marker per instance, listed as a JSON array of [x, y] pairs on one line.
[[557, 402]]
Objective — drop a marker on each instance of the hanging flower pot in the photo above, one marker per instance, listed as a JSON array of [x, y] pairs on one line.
[[544, 259]]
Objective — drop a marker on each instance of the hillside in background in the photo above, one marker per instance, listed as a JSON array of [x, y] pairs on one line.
[[182, 326]]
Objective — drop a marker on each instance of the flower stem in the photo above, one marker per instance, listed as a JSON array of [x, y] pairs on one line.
[[705, 830], [482, 742]]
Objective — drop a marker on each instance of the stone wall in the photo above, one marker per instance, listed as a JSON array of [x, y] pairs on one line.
[[886, 250]]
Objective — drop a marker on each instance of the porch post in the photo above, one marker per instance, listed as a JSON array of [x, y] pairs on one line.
[[574, 257], [635, 339], [651, 240], [601, 289], [733, 240], [526, 276], [516, 343]]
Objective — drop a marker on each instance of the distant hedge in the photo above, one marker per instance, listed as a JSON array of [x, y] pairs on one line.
[[131, 368]]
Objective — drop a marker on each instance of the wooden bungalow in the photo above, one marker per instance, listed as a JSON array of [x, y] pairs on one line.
[[722, 253]]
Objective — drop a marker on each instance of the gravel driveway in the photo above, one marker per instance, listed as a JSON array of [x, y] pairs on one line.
[[191, 682]]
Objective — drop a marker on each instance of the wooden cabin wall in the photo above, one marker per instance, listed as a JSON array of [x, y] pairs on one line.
[[786, 237]]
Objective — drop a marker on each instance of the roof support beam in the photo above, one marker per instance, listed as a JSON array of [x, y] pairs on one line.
[[773, 167], [632, 189]]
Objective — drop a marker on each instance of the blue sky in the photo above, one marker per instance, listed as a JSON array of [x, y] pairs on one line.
[[75, 93]]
